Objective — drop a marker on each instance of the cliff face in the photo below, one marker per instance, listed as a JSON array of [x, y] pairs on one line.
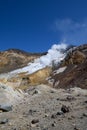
[[75, 73]]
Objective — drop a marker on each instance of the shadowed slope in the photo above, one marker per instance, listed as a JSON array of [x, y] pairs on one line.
[[75, 73]]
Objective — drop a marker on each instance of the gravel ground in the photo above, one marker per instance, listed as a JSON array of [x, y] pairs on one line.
[[45, 108]]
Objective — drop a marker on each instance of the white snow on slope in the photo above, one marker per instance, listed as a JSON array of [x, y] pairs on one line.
[[56, 54], [60, 70]]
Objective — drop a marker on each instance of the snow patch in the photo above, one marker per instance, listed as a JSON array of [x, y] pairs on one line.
[[60, 70]]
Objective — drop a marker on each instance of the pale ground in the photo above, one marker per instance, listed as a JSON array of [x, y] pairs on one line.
[[42, 103]]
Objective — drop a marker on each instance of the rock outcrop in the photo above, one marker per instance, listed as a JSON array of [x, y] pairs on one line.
[[24, 80], [75, 73], [9, 96]]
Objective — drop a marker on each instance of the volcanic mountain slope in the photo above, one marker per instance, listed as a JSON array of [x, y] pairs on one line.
[[35, 72], [61, 67], [75, 72], [14, 58]]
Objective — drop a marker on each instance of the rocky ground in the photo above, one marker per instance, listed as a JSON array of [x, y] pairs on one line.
[[45, 108]]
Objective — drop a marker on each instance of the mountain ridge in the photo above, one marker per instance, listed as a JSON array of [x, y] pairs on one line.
[[14, 58]]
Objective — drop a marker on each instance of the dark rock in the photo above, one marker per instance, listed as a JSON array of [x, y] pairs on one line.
[[34, 121], [4, 87], [52, 91], [60, 113], [76, 128], [31, 111], [70, 98], [72, 116], [57, 99], [53, 124], [85, 114], [46, 115], [53, 116], [35, 92], [4, 121], [6, 108], [69, 118], [86, 101], [81, 117], [65, 109]]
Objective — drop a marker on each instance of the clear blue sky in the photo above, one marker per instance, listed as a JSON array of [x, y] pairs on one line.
[[34, 25]]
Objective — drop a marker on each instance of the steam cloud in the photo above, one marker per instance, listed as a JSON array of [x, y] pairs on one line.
[[73, 32], [56, 54]]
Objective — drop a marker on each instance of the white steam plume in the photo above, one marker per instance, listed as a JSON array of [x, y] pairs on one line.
[[74, 32], [56, 54]]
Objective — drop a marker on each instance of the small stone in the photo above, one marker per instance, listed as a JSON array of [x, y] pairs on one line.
[[65, 109], [34, 121], [51, 91], [53, 125], [35, 92], [75, 128], [53, 116], [69, 118], [70, 98], [14, 129], [81, 117], [4, 121], [60, 113], [5, 108], [72, 116], [57, 99], [86, 101], [4, 87], [85, 114], [46, 115], [31, 111]]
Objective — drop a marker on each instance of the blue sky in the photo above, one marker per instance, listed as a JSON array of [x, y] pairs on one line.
[[35, 25]]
